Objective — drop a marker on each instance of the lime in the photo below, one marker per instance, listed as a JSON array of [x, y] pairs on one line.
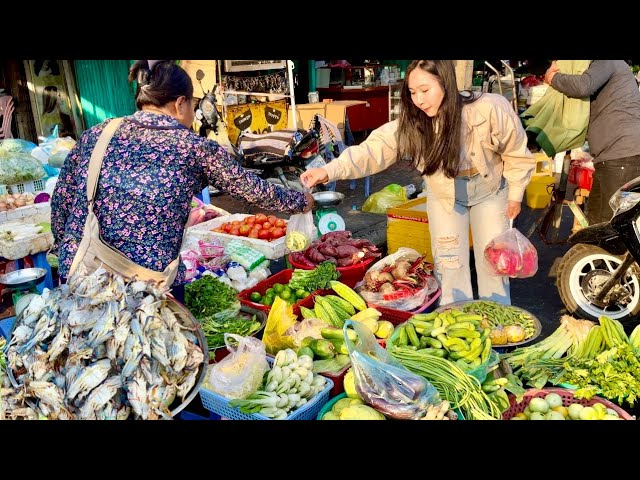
[[270, 291], [267, 300], [285, 294], [255, 296], [278, 287], [301, 293]]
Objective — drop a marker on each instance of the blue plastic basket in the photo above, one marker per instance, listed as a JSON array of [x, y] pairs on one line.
[[218, 404], [6, 326]]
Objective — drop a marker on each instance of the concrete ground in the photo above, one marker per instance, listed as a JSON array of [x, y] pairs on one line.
[[537, 294]]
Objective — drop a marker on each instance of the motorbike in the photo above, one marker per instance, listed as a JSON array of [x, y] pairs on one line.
[[600, 275], [279, 156]]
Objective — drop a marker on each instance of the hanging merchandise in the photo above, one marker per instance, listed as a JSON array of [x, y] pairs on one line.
[[256, 118], [272, 83]]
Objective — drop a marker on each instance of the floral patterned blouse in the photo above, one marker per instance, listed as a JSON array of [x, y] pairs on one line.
[[152, 168]]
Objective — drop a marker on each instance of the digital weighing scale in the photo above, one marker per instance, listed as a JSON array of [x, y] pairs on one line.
[[326, 217]]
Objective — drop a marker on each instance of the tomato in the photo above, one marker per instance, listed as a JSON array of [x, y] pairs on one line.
[[280, 223], [253, 234], [264, 234], [261, 218], [226, 227], [250, 220], [218, 230], [272, 219], [257, 227], [267, 225], [234, 231], [236, 223], [244, 230], [277, 232]]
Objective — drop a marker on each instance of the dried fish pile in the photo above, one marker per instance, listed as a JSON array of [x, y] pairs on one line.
[[99, 348]]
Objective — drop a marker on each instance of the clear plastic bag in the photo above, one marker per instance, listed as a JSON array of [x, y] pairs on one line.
[[511, 254], [240, 373], [390, 196], [400, 299], [19, 167], [383, 382], [301, 231]]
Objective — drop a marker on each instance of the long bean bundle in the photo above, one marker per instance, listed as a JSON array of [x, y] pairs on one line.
[[453, 384]]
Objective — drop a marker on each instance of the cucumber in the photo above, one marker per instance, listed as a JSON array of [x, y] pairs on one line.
[[306, 351], [336, 333], [323, 348]]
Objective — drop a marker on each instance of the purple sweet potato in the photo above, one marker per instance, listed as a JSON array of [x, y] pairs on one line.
[[345, 251], [327, 250]]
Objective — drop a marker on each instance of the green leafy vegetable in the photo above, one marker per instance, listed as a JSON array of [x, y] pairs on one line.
[[316, 279], [208, 296], [214, 330], [615, 373]]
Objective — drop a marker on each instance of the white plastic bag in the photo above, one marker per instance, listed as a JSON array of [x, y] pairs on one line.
[[301, 231], [240, 373], [400, 299]]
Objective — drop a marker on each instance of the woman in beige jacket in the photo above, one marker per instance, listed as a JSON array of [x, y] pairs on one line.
[[472, 152]]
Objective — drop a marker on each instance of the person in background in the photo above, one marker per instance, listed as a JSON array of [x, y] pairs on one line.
[[614, 126], [472, 152], [152, 168], [55, 111], [44, 68]]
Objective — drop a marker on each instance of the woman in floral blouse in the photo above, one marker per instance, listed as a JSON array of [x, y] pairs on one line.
[[152, 168]]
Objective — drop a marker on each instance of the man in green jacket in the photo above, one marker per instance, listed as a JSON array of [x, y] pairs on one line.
[[614, 126]]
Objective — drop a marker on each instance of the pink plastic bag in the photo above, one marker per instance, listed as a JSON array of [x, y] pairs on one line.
[[511, 254]]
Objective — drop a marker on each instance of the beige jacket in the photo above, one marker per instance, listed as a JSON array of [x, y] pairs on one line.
[[494, 142]]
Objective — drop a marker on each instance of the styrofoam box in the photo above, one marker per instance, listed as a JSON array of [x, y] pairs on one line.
[[35, 213], [273, 249], [29, 246]]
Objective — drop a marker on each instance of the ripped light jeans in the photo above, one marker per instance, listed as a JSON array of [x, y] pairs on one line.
[[484, 210]]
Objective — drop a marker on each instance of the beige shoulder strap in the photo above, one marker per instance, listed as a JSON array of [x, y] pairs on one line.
[[95, 163]]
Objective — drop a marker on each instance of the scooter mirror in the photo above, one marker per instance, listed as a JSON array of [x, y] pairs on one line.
[[199, 74]]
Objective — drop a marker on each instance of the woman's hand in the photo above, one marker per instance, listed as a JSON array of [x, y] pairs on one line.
[[314, 176], [513, 209], [551, 72]]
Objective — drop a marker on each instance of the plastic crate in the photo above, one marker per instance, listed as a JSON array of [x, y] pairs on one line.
[[283, 277], [6, 326], [567, 399], [33, 187], [220, 405], [186, 415], [348, 275]]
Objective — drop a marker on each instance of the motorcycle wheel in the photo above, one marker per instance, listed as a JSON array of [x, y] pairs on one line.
[[581, 271]]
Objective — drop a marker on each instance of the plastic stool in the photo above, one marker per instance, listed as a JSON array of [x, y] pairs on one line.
[[204, 196], [366, 186]]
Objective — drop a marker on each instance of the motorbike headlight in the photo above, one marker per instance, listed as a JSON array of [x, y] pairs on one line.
[[622, 201]]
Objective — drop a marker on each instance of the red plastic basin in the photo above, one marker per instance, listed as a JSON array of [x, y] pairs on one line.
[[348, 275]]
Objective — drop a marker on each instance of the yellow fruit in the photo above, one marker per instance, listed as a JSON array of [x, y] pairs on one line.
[[385, 329], [360, 412], [562, 410], [349, 384], [521, 416], [371, 324], [297, 241]]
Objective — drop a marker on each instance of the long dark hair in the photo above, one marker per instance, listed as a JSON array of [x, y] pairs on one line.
[[161, 84], [50, 97], [417, 137]]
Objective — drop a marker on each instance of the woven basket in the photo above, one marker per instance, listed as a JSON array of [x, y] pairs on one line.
[[567, 399]]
